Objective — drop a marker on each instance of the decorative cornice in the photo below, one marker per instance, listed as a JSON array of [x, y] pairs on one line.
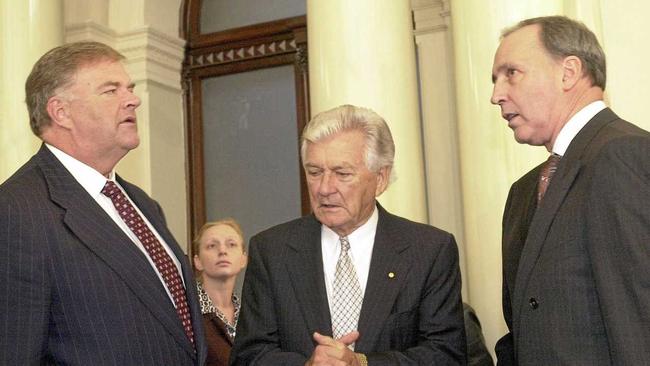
[[88, 31], [228, 55], [151, 55], [430, 16]]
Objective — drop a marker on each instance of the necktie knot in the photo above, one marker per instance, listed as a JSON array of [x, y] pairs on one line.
[[345, 244], [110, 189], [548, 170]]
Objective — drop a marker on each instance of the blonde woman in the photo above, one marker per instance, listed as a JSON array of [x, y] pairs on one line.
[[219, 256]]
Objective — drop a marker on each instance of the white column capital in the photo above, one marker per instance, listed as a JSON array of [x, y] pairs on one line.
[[153, 56], [430, 16]]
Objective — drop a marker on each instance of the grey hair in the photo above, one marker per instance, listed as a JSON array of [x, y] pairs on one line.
[[54, 71], [562, 37], [380, 148]]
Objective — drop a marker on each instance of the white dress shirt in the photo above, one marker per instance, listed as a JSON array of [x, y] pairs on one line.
[[93, 182], [574, 125], [362, 241]]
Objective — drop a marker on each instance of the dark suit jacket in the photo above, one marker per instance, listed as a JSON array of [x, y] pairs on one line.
[[219, 343], [414, 318], [477, 353], [75, 290], [577, 268]]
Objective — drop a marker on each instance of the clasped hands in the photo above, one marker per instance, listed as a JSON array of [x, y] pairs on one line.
[[331, 352]]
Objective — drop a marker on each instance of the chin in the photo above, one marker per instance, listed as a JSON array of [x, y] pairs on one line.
[[130, 145], [221, 276]]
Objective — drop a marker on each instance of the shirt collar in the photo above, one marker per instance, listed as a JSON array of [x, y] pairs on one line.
[[90, 179], [574, 125], [366, 230]]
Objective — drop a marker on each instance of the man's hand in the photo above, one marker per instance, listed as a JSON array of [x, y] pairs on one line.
[[331, 352]]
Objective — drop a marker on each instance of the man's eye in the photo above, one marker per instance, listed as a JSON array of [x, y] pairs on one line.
[[343, 174], [110, 91], [313, 173], [511, 72]]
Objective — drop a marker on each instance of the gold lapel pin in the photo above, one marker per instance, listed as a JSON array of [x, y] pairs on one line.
[[391, 274]]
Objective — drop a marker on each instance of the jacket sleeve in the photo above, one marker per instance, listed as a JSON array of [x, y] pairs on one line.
[[258, 339], [24, 282], [505, 348], [617, 214]]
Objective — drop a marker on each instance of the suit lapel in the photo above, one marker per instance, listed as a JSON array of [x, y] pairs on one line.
[[381, 290], [305, 267], [567, 171], [97, 231], [517, 224], [152, 213], [539, 227]]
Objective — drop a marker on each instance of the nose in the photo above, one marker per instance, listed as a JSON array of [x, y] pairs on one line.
[[222, 249], [327, 185], [132, 100], [498, 93]]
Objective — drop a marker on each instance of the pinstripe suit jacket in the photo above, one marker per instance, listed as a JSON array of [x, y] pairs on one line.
[[413, 318], [74, 289], [577, 268]]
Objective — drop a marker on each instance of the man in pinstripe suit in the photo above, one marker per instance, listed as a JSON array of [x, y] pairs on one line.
[[78, 285]]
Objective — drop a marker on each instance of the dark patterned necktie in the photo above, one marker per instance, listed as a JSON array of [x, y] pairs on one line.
[[157, 253], [545, 176], [346, 295]]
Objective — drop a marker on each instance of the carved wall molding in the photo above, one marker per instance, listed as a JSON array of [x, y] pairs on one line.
[[430, 16], [233, 54], [89, 30], [151, 55]]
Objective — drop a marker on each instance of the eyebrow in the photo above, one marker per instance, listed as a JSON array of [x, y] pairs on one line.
[[501, 67], [116, 84]]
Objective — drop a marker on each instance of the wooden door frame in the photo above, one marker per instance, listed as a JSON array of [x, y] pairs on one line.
[[258, 46]]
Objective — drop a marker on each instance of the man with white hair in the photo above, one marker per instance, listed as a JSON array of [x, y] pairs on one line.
[[350, 284]]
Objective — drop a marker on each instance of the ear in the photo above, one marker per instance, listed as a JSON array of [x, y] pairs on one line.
[[197, 263], [571, 72], [59, 111], [383, 175], [244, 260]]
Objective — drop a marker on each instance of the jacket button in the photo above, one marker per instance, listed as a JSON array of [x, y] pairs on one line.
[[533, 303]]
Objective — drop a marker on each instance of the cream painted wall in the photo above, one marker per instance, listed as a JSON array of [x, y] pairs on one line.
[[439, 125], [624, 37]]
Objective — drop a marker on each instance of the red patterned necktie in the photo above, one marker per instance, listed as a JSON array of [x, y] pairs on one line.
[[546, 174], [157, 253]]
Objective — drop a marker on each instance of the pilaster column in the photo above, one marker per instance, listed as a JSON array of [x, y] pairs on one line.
[[362, 52], [27, 30], [439, 125]]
